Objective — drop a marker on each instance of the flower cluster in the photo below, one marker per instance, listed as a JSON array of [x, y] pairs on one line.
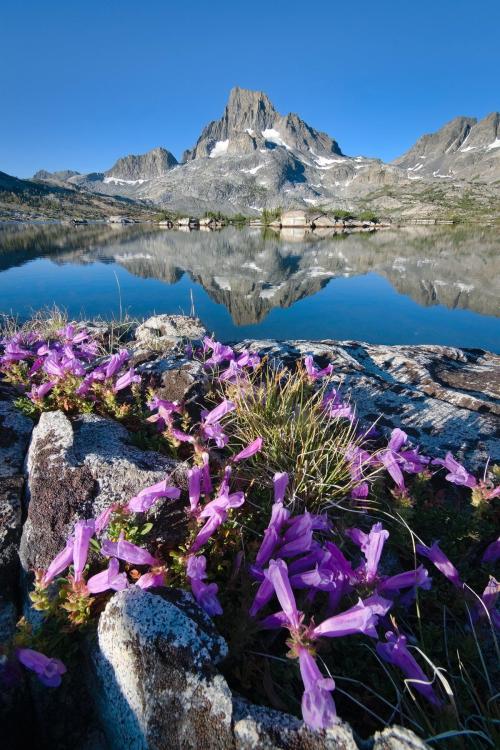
[[65, 371], [306, 574], [305, 562]]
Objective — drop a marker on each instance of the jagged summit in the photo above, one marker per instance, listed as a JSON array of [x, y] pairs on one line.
[[250, 121], [463, 148], [254, 158], [141, 167]]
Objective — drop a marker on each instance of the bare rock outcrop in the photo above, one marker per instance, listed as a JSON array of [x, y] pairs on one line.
[[446, 399]]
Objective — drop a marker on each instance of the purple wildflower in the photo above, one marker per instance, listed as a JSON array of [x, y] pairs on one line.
[[492, 552], [152, 579], [280, 483], [103, 519], [357, 619], [127, 379], [205, 594], [396, 652], [457, 474], [298, 537], [194, 487], [116, 361], [336, 408], [220, 353], [40, 391], [313, 372], [127, 551], [60, 562], [279, 516], [371, 545], [146, 498], [263, 595], [418, 577], [251, 449], [278, 576], [217, 517], [111, 578], [47, 670], [84, 531], [442, 563], [489, 599], [165, 410], [318, 707]]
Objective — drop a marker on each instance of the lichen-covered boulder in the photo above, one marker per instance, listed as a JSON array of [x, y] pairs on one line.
[[15, 430], [398, 738], [76, 470], [267, 729], [163, 332], [153, 675]]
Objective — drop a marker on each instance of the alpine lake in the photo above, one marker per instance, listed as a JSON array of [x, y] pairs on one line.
[[408, 285]]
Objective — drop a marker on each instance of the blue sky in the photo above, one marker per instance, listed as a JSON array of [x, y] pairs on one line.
[[84, 82]]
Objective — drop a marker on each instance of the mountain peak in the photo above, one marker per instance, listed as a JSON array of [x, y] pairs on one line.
[[250, 121], [249, 108], [141, 167]]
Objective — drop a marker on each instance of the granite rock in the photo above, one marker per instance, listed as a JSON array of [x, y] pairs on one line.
[[446, 399], [76, 470]]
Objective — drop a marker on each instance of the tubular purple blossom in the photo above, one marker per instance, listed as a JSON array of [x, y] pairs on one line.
[[278, 575], [111, 578], [146, 498], [39, 392], [263, 595], [396, 652], [220, 411], [418, 577], [48, 671], [318, 707], [492, 552], [217, 517], [205, 594], [313, 372], [371, 545], [60, 562], [102, 520], [436, 555], [127, 551], [249, 451], [280, 483], [457, 474], [115, 362], [127, 379], [194, 487], [84, 531], [152, 579], [357, 619]]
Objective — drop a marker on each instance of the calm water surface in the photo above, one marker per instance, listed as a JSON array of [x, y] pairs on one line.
[[411, 285]]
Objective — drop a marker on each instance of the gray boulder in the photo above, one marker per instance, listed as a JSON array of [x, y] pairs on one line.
[[163, 332], [76, 470], [153, 675], [15, 430]]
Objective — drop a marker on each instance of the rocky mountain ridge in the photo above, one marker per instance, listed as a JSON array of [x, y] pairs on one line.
[[253, 158], [465, 148]]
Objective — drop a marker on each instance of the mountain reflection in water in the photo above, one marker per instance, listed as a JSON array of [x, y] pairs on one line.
[[434, 275]]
